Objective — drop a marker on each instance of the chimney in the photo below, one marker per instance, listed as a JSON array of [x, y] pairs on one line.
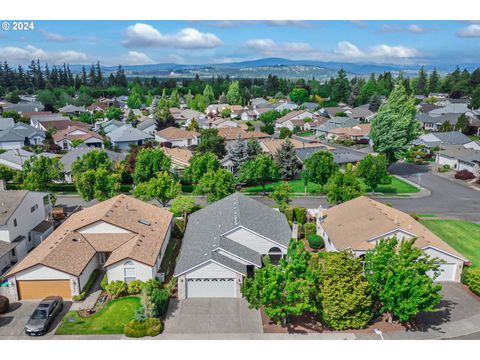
[[3, 185], [295, 230]]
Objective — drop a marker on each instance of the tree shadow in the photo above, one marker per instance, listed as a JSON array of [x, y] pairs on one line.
[[433, 320]]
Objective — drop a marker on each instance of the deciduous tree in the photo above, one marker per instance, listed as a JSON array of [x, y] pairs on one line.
[[162, 188], [216, 185]]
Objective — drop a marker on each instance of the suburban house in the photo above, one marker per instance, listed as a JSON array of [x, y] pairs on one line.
[[356, 133], [179, 157], [109, 125], [177, 137], [332, 111], [65, 138], [55, 121], [311, 106], [68, 159], [184, 116], [21, 135], [258, 102], [284, 105], [440, 139], [359, 223], [341, 155], [294, 119], [148, 126], [271, 146], [127, 135], [224, 242], [433, 123], [335, 123], [97, 106], [232, 134], [23, 223], [15, 158], [72, 110], [460, 158], [361, 113], [124, 236], [21, 108]]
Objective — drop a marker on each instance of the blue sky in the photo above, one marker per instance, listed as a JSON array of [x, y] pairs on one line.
[[202, 42]]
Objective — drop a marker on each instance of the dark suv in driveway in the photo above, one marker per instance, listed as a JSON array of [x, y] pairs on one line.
[[43, 316]]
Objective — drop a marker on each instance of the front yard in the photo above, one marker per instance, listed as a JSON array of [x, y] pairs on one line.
[[463, 236], [109, 320], [397, 186]]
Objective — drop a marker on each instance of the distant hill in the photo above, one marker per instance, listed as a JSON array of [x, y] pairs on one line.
[[276, 66]]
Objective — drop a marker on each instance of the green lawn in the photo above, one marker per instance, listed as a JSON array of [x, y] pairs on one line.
[[297, 187], [397, 186], [463, 236], [306, 133], [109, 320]]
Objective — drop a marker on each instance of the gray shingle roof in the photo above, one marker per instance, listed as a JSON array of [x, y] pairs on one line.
[[146, 124], [127, 133], [6, 123], [5, 247], [337, 122], [340, 155], [442, 138], [25, 107], [68, 159], [450, 117], [19, 132], [205, 229], [10, 199], [459, 152], [19, 156]]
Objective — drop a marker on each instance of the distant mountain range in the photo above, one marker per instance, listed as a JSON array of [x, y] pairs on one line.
[[261, 68]]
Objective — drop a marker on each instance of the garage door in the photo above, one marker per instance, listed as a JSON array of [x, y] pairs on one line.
[[448, 272], [204, 288], [39, 289]]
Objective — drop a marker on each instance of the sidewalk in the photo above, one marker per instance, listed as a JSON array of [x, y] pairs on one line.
[[92, 297]]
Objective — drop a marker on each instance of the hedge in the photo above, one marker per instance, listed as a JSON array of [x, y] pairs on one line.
[[300, 214], [471, 278], [289, 214], [116, 289], [310, 228]]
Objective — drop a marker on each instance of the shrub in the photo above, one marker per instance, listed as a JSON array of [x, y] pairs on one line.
[[170, 286], [310, 228], [444, 168], [464, 175], [104, 282], [135, 287], [471, 278], [150, 285], [161, 299], [116, 289], [179, 228], [300, 214], [415, 216], [289, 214], [315, 241], [141, 328]]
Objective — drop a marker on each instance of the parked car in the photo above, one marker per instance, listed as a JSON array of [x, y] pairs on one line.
[[43, 316]]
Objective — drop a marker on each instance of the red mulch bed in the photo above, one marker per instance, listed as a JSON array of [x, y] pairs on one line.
[[309, 249], [311, 324]]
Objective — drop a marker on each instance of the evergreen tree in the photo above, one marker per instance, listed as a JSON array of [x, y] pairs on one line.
[[341, 87], [234, 97], [422, 84], [434, 82], [253, 148], [238, 153], [395, 125], [287, 160]]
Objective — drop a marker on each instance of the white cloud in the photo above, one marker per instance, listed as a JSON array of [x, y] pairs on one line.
[[347, 49], [412, 28], [49, 36], [360, 24], [382, 52], [137, 58], [268, 47], [21, 55], [296, 23], [472, 30], [144, 35]]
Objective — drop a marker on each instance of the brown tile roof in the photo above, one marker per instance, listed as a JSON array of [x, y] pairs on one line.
[[355, 222], [178, 155], [70, 251], [289, 116], [356, 130], [29, 114], [231, 133], [174, 133], [56, 124], [66, 134], [272, 145]]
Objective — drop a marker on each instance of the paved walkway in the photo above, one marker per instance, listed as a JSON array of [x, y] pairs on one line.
[[92, 297]]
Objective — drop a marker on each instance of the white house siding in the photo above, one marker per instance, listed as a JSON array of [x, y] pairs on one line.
[[211, 270], [253, 241], [443, 160], [10, 164], [85, 275], [102, 227], [40, 272], [451, 262], [462, 165], [142, 272]]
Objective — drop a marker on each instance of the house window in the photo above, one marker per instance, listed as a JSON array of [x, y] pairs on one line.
[[15, 223], [129, 271], [33, 208]]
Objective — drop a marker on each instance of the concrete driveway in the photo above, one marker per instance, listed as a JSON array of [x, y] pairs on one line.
[[12, 324], [212, 316]]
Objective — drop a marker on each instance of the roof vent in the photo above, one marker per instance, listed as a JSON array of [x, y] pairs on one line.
[[75, 240], [144, 222]]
